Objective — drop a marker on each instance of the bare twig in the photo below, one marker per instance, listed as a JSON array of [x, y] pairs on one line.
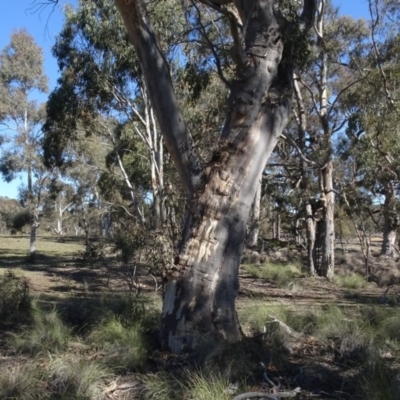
[[275, 396]]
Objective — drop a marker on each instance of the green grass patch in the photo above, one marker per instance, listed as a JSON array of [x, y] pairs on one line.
[[279, 274], [83, 314], [205, 386], [160, 386], [46, 334], [353, 281], [76, 379], [378, 382], [22, 382], [255, 315], [124, 346], [194, 384]]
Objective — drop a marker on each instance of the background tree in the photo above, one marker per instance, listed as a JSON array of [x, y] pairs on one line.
[[372, 134], [21, 74]]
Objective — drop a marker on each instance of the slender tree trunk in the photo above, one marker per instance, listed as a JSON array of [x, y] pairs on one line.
[[328, 246], [310, 234], [276, 229], [389, 241], [32, 240], [59, 228], [391, 222], [326, 173], [254, 225], [310, 221]]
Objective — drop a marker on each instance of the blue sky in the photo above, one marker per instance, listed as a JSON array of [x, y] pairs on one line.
[[44, 25]]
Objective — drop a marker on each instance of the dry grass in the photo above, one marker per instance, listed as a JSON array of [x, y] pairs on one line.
[[23, 382], [114, 334], [279, 274]]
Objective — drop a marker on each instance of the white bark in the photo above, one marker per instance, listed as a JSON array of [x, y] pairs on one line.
[[199, 296]]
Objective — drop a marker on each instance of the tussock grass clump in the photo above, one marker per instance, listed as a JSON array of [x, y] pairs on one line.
[[124, 345], [390, 326], [22, 383], [237, 360], [351, 337], [84, 314], [353, 281], [198, 384], [378, 382], [255, 316], [76, 378], [160, 386], [279, 274], [15, 302], [47, 333], [206, 386]]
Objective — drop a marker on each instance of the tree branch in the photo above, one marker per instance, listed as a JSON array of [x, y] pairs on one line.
[[157, 76], [211, 46], [301, 154]]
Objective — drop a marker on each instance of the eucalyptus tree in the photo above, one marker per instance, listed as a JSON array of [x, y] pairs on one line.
[[58, 202], [319, 117], [21, 75], [374, 106], [385, 37], [268, 40], [101, 85]]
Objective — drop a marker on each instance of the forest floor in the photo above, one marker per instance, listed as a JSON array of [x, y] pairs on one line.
[[84, 337]]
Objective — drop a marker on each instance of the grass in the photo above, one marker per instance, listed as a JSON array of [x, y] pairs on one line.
[[22, 382], [378, 383], [254, 315], [115, 334], [125, 346], [160, 386], [18, 245], [47, 333], [356, 335], [353, 281], [279, 274], [206, 386], [192, 384], [76, 378]]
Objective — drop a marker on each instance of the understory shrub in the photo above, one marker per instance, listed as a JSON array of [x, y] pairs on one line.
[[15, 302]]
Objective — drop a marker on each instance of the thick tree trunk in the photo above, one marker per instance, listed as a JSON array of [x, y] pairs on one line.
[[254, 225], [199, 300], [328, 245], [200, 292]]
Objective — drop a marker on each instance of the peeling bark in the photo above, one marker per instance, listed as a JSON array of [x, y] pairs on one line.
[[254, 225], [200, 291]]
